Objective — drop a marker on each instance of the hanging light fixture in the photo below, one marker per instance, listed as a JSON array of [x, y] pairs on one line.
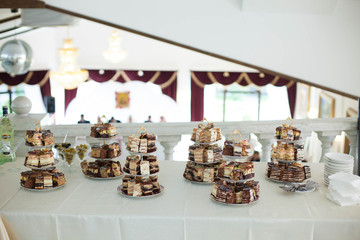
[[115, 53], [69, 74]]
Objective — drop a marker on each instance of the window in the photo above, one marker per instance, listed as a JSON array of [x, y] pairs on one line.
[[250, 103]]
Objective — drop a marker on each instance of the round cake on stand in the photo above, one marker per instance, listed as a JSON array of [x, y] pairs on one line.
[[286, 156], [40, 159], [204, 154], [106, 151], [234, 184], [141, 167]]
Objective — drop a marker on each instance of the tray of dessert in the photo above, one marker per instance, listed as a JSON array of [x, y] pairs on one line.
[[235, 158], [289, 140], [40, 159], [105, 151], [236, 170], [38, 147], [234, 204], [121, 191], [205, 154], [101, 169], [141, 143], [39, 138], [104, 178], [42, 180], [287, 133], [285, 161], [205, 143], [103, 130], [141, 166], [200, 173], [282, 172], [287, 152], [206, 133], [43, 189], [140, 187], [239, 193], [236, 148], [105, 138]]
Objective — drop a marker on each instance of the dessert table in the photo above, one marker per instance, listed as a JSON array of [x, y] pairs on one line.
[[93, 209]]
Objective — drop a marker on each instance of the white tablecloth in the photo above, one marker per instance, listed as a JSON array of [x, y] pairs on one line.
[[93, 209]]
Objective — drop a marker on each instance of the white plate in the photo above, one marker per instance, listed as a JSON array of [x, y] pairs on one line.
[[200, 183], [143, 175], [278, 181], [89, 155], [43, 190], [162, 189], [232, 158], [232, 204], [145, 154], [205, 163], [108, 138], [40, 147], [205, 143], [108, 178], [339, 157], [289, 141]]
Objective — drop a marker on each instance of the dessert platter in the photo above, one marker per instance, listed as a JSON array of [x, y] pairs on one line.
[[234, 184], [140, 187], [43, 175], [141, 167], [105, 167], [204, 155], [286, 155]]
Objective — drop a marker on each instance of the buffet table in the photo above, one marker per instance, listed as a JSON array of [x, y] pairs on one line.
[[93, 209]]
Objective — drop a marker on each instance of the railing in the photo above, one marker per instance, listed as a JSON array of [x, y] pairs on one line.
[[169, 134]]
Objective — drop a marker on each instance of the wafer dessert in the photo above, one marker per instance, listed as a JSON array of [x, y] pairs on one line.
[[236, 192], [111, 150], [39, 158], [39, 138], [288, 172], [140, 186], [206, 133], [200, 173], [101, 168], [205, 153], [241, 148], [144, 165], [236, 171], [142, 143], [288, 151], [103, 130], [42, 179]]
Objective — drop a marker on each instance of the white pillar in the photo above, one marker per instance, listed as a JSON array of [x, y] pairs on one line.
[[169, 143], [326, 138], [352, 136]]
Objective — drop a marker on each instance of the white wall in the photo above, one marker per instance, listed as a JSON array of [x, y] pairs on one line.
[[316, 41]]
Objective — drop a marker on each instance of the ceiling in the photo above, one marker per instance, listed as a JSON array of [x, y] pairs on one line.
[[314, 41]]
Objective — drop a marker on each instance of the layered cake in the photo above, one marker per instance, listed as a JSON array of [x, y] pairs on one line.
[[200, 173], [236, 170], [101, 168], [285, 132], [135, 166], [111, 150], [205, 153], [288, 173], [143, 143], [140, 186], [39, 138], [42, 179], [206, 134], [236, 192], [232, 148], [288, 151], [39, 158], [103, 130]]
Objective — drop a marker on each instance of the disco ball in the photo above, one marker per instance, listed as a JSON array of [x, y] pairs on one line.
[[16, 56]]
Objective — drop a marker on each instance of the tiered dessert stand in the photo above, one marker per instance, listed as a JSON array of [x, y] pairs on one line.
[[141, 155], [56, 161], [241, 159], [104, 141], [207, 164], [287, 162]]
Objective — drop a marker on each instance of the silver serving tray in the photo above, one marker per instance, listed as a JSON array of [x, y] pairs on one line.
[[38, 147], [205, 143], [89, 155], [109, 178], [162, 189], [205, 163], [140, 154], [278, 181], [232, 158], [232, 204], [142, 175], [230, 180], [105, 138], [289, 141], [43, 190], [200, 183]]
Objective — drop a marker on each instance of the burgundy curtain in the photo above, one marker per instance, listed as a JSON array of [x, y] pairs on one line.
[[167, 80], [200, 79], [31, 78]]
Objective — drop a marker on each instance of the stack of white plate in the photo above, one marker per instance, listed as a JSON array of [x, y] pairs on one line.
[[337, 162]]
